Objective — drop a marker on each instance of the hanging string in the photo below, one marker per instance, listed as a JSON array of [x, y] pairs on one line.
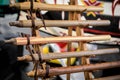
[[40, 58], [31, 6], [47, 72], [38, 13], [28, 45], [35, 68]]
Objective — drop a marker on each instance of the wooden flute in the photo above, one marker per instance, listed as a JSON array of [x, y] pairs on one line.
[[44, 40], [53, 7], [60, 23], [51, 56], [74, 69]]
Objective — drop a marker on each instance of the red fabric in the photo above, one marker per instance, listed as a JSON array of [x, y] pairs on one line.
[[61, 44]]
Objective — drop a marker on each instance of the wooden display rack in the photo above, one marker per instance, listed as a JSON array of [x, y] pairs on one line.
[[41, 69]]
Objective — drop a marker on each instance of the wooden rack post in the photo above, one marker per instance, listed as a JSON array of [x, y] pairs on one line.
[[70, 29], [82, 46]]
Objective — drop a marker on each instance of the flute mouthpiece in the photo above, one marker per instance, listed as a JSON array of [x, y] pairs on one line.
[[20, 58], [14, 23], [10, 41], [30, 74]]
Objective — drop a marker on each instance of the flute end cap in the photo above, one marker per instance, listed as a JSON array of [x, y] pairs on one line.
[[20, 58], [14, 24], [11, 23], [30, 74], [15, 5], [12, 5]]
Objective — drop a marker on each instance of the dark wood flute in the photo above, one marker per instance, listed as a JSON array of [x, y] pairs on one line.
[[60, 23], [51, 56], [74, 69], [53, 7], [39, 40]]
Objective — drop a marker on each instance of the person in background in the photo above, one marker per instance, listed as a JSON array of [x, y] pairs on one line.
[[9, 67]]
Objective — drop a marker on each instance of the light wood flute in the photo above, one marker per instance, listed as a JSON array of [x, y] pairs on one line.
[[60, 23], [74, 69], [39, 40], [53, 7], [69, 54]]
